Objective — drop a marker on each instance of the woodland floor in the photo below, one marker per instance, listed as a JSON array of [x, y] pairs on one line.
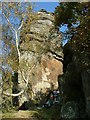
[[52, 113]]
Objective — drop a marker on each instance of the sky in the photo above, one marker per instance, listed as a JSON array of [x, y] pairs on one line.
[[49, 6]]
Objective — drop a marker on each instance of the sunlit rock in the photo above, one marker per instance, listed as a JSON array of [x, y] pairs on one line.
[[41, 58]]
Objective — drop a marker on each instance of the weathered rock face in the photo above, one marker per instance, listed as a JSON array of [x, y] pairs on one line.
[[41, 58]]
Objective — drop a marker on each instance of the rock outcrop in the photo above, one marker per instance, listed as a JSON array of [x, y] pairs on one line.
[[75, 84], [41, 58]]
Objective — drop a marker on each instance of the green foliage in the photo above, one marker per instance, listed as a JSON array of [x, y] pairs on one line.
[[65, 13], [77, 17], [70, 12], [77, 51]]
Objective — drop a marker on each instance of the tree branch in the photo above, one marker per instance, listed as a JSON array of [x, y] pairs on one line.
[[22, 91], [14, 31], [20, 26], [9, 22], [16, 34], [14, 95]]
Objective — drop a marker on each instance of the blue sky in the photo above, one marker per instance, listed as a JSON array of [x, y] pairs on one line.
[[49, 6]]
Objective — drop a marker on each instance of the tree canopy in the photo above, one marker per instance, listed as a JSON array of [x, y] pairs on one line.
[[77, 17]]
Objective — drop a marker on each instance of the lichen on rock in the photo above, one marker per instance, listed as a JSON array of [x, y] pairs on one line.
[[41, 50]]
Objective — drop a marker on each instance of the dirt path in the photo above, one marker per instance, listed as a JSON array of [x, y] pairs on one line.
[[32, 115]]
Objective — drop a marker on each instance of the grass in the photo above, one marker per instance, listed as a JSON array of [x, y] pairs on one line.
[[42, 114], [20, 114]]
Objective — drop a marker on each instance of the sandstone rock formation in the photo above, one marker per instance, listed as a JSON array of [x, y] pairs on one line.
[[41, 57]]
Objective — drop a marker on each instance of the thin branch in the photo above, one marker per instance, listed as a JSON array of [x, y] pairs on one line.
[[20, 26], [9, 22], [22, 91], [16, 31], [14, 95], [26, 81]]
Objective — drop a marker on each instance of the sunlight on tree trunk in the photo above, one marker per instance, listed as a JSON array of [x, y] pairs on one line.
[[16, 31]]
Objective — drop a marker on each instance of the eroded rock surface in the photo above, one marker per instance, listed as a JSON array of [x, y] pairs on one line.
[[41, 57]]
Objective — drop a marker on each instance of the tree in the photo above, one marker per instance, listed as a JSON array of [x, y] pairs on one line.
[[14, 16], [77, 52], [77, 16]]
